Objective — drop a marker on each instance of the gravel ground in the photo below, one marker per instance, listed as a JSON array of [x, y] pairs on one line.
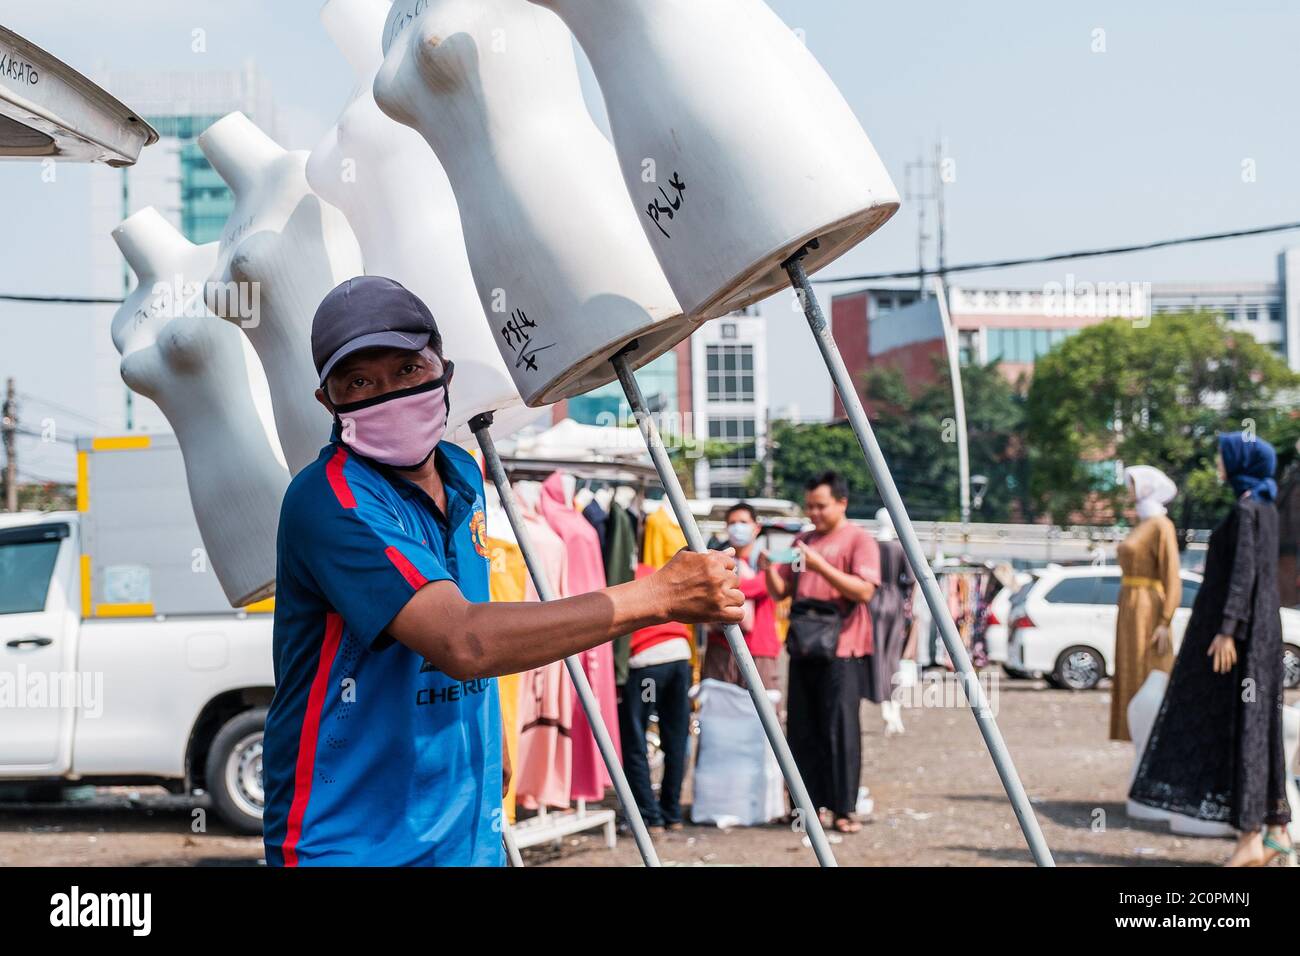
[[937, 798]]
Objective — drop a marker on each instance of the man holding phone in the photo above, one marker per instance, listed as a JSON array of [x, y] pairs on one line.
[[831, 579]]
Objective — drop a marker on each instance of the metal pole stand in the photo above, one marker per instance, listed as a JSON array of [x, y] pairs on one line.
[[739, 650], [916, 559], [479, 424]]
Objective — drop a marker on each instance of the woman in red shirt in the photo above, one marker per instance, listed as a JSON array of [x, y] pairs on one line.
[[759, 625]]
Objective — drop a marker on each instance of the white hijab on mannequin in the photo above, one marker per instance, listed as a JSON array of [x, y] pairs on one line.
[[735, 145], [565, 273], [281, 251], [1152, 489], [396, 196], [885, 531], [197, 369]]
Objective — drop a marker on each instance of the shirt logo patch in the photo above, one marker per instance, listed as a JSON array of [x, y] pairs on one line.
[[478, 533]]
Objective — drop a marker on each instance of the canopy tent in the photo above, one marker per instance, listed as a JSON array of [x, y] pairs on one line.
[[48, 109], [570, 440]]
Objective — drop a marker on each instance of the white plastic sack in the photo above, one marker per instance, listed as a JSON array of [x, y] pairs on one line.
[[737, 778]]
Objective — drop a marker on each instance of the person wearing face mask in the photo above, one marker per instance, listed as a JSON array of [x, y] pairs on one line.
[[383, 742], [759, 623]]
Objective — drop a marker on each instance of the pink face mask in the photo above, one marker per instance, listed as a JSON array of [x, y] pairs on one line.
[[399, 429]]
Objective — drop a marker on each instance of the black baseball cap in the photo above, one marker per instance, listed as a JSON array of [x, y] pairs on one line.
[[369, 312]]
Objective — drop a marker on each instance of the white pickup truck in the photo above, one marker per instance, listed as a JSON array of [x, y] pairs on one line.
[[120, 660]]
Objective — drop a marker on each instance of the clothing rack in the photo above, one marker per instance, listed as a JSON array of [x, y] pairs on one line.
[[552, 825]]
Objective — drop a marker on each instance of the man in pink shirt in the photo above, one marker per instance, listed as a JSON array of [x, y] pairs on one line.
[[837, 569]]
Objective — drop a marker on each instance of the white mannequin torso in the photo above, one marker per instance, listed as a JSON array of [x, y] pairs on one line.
[[397, 198], [492, 85], [749, 147], [287, 248], [193, 365]]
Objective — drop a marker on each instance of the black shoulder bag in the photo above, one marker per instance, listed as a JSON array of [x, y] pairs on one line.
[[815, 627]]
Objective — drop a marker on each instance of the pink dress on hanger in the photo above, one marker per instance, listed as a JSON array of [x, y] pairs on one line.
[[586, 573], [544, 767]]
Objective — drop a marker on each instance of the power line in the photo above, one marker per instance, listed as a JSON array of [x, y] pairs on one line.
[[33, 433], [1060, 256], [62, 299], [28, 396], [867, 277]]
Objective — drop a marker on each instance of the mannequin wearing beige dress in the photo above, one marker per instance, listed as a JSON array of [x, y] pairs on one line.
[[1150, 592]]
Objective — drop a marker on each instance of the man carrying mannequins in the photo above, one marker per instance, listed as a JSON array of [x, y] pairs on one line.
[[383, 744]]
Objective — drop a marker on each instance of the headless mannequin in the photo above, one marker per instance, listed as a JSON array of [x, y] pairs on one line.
[[529, 493], [399, 203], [193, 366], [492, 85], [743, 151], [280, 252]]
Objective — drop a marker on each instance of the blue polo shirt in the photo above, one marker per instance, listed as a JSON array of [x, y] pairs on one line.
[[371, 755]]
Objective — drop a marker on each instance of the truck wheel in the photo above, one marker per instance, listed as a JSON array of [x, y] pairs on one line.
[[234, 771]]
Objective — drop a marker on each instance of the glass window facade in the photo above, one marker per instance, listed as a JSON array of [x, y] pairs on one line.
[[206, 201], [739, 432], [730, 373], [1022, 345], [607, 406]]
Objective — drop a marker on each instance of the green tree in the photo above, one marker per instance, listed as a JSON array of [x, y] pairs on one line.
[[1148, 393], [917, 433]]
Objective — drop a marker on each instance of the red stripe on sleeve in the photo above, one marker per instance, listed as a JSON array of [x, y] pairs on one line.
[[413, 577], [338, 481], [307, 739]]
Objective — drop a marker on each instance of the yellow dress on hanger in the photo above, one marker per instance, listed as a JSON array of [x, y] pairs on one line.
[[663, 537], [508, 581]]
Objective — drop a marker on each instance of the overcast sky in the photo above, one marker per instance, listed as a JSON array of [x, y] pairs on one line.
[[1056, 145]]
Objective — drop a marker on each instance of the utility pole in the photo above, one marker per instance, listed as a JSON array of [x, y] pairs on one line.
[[921, 199], [9, 426], [938, 202], [769, 454]]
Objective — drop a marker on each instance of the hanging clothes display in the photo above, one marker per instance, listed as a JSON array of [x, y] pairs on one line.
[[888, 612], [598, 518], [663, 537], [620, 567], [543, 772], [968, 590], [508, 581], [586, 573]]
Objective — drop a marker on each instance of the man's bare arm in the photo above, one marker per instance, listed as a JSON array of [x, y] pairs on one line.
[[468, 641]]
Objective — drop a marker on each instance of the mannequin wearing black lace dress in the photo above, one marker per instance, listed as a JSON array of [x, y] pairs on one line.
[[1215, 750]]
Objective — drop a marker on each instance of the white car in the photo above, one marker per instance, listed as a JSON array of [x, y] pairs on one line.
[[997, 634], [1062, 627]]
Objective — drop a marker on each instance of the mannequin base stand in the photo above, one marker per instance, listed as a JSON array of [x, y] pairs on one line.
[[807, 813], [480, 424], [916, 559]]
